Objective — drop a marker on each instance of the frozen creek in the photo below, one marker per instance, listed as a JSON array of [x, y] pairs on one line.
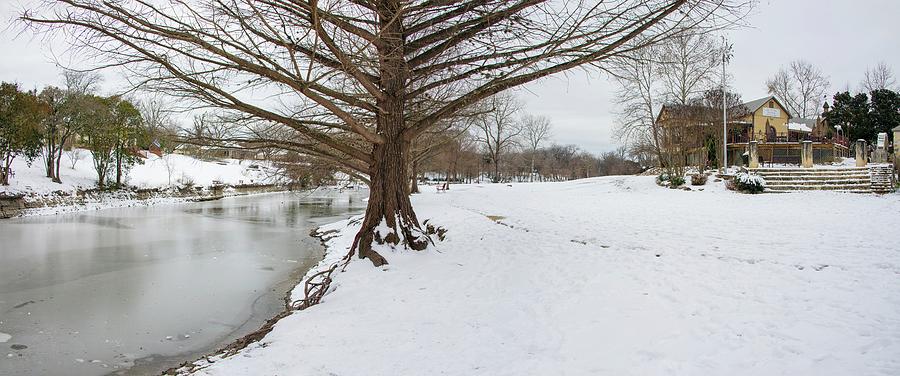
[[134, 291]]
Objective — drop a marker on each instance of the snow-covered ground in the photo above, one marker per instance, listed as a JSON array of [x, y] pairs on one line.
[[154, 172], [610, 276]]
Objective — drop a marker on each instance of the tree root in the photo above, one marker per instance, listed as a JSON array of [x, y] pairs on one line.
[[315, 288]]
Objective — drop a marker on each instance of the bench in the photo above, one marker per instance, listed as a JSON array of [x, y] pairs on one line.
[[442, 187]]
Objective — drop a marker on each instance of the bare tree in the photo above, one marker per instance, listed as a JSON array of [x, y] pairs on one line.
[[498, 130], [801, 86], [535, 131], [638, 98], [688, 65], [881, 76], [75, 155], [159, 124], [341, 74]]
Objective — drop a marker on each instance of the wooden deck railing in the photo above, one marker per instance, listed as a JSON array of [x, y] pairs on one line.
[[789, 138]]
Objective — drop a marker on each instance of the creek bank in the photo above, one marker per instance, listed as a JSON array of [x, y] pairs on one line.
[[324, 233], [18, 205]]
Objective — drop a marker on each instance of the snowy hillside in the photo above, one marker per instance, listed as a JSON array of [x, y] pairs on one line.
[[154, 172], [610, 276]]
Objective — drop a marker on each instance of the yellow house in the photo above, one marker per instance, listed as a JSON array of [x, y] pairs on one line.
[[896, 144], [766, 121]]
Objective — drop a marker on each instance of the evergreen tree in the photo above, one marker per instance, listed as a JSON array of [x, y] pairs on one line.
[[99, 135], [128, 132], [852, 114], [884, 113], [20, 118]]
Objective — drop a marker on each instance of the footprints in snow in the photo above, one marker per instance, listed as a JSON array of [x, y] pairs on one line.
[[816, 267]]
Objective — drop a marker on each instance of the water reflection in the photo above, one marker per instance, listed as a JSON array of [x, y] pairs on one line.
[[92, 293]]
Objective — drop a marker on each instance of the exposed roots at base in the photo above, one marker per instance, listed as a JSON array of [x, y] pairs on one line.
[[414, 237]]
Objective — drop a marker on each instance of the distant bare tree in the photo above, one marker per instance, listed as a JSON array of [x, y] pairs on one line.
[[881, 76], [616, 163], [158, 121], [535, 131], [497, 130], [342, 74], [801, 86]]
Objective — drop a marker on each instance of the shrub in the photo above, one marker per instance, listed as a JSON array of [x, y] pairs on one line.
[[748, 183], [663, 177], [698, 179], [676, 181], [185, 182]]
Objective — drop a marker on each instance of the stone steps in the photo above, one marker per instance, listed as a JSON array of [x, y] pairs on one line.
[[838, 179], [868, 179], [814, 177], [812, 170], [863, 187], [859, 191], [820, 182]]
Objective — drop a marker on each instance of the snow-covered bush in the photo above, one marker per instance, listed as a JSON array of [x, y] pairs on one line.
[[671, 181], [749, 183], [698, 179], [185, 181]]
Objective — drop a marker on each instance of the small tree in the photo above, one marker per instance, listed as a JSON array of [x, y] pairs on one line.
[[75, 155], [64, 118], [128, 131], [497, 129], [99, 135], [535, 131], [20, 117]]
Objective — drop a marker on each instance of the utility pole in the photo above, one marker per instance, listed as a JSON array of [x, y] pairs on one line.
[[726, 57]]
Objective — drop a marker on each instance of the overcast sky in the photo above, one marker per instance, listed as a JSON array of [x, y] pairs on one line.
[[843, 38]]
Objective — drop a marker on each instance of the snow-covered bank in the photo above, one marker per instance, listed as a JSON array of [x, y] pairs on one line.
[[152, 172], [169, 179], [610, 276]]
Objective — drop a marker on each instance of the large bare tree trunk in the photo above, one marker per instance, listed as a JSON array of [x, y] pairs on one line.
[[389, 189], [414, 178], [389, 197]]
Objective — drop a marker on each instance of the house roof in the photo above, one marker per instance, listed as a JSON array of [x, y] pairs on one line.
[[799, 127], [811, 123], [897, 128], [754, 105]]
